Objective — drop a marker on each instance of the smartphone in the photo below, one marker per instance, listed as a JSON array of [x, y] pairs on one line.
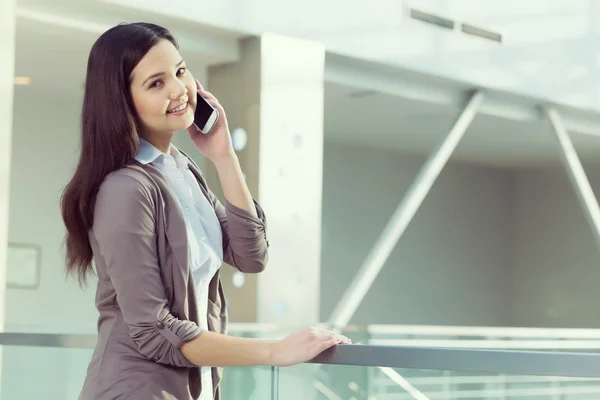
[[205, 115]]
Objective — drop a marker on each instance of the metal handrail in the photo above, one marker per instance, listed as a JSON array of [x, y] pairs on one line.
[[388, 331], [66, 340], [585, 365]]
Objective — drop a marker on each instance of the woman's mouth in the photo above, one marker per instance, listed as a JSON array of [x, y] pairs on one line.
[[178, 110]]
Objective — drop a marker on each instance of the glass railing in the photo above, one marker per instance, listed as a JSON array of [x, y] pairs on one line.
[[473, 385], [506, 338], [390, 372], [332, 382], [371, 383], [33, 372], [53, 366], [254, 383], [44, 366]]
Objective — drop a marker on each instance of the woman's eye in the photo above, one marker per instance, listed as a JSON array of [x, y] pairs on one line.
[[155, 84], [181, 71]]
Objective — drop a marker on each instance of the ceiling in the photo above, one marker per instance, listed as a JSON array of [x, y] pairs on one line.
[[549, 48], [53, 42], [55, 57], [389, 122]]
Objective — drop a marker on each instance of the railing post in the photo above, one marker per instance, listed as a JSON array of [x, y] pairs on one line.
[[274, 383]]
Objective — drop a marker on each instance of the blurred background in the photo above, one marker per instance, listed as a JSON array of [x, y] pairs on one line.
[[427, 168]]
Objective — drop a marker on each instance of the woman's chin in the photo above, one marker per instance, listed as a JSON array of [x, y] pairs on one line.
[[187, 126], [182, 125]]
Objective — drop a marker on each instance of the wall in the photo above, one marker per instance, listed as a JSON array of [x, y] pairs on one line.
[[7, 73], [452, 266], [45, 140], [487, 247], [45, 143], [556, 261]]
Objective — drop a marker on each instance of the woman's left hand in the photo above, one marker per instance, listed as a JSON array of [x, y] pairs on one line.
[[217, 143]]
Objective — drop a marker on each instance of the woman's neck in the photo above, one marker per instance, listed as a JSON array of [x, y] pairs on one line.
[[161, 141]]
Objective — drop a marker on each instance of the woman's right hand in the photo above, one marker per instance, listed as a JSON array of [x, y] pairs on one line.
[[304, 345]]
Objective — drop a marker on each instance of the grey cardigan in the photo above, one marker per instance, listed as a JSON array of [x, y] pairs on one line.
[[146, 295]]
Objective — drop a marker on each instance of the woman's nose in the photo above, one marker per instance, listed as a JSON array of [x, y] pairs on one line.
[[178, 90]]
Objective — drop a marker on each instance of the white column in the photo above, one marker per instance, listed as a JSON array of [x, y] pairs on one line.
[[275, 93], [290, 176], [7, 72], [7, 55]]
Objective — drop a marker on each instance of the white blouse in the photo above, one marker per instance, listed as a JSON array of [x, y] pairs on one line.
[[205, 238]]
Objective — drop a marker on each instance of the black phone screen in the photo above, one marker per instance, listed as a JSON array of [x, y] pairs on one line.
[[202, 113]]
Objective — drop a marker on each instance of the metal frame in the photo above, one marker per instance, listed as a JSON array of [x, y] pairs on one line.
[[403, 215], [412, 85], [584, 365], [274, 383], [70, 341], [579, 180]]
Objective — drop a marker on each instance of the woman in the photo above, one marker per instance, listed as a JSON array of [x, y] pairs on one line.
[[142, 212]]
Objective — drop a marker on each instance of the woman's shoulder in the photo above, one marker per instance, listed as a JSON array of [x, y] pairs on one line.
[[129, 180], [125, 197]]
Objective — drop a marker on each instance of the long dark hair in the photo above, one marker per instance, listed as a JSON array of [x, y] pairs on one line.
[[109, 137]]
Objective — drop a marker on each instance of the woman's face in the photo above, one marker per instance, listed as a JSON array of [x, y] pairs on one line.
[[160, 86]]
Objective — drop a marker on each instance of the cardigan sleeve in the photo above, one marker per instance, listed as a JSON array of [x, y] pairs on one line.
[[245, 243]]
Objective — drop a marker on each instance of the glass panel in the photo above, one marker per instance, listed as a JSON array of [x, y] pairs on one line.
[[490, 338], [43, 372], [404, 384], [333, 382], [52, 373], [245, 383], [299, 382]]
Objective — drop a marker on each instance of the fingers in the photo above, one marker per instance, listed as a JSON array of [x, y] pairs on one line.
[[212, 100], [326, 334], [345, 340], [305, 345], [205, 93], [321, 347], [326, 339], [209, 96], [332, 339]]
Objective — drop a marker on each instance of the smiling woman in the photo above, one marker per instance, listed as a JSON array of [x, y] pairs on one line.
[[161, 88], [142, 212]]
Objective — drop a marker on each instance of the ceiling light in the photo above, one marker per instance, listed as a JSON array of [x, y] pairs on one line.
[[21, 80]]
